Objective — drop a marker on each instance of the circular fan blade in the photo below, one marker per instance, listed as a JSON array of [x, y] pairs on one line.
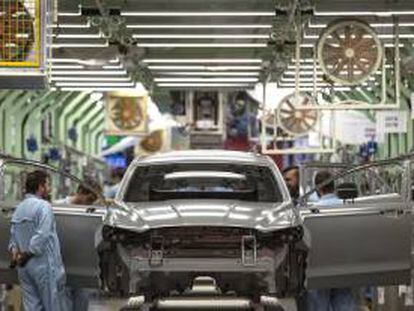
[[153, 142], [349, 51], [294, 121], [126, 114]]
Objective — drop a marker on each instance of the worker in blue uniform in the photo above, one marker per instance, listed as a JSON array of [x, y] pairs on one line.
[[35, 250], [329, 299]]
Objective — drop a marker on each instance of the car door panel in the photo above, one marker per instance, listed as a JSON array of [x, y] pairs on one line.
[[359, 244], [76, 230]]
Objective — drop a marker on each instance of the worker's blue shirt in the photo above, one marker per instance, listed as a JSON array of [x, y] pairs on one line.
[[328, 199], [42, 279], [33, 229]]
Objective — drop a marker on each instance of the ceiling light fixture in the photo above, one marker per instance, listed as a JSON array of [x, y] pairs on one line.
[[80, 45], [79, 13], [87, 25], [77, 36], [206, 79], [92, 89], [190, 85], [363, 13], [68, 67], [377, 25], [199, 26], [185, 36], [93, 84], [206, 68], [120, 66], [90, 79], [204, 13], [202, 45], [89, 73], [202, 60], [203, 73]]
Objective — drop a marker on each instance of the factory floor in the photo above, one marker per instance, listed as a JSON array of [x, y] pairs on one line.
[[395, 298]]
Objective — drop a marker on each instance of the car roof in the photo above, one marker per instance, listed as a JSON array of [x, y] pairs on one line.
[[209, 156]]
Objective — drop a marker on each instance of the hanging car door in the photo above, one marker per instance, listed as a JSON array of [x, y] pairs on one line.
[[366, 241], [76, 225], [76, 230]]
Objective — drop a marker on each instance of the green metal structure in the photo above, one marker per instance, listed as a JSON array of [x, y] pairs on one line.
[[25, 114]]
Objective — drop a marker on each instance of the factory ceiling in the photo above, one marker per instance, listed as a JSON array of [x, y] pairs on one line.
[[183, 44]]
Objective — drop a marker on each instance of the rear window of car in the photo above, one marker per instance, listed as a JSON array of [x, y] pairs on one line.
[[203, 181]]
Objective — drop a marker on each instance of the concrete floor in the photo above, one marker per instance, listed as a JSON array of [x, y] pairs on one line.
[[393, 299]]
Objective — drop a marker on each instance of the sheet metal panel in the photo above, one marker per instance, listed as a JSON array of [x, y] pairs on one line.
[[365, 244], [76, 231]]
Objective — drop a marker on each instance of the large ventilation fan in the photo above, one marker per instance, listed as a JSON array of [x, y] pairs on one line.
[[126, 115], [349, 51], [294, 121], [152, 143], [18, 33]]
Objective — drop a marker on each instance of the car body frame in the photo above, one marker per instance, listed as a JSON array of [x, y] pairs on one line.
[[251, 248]]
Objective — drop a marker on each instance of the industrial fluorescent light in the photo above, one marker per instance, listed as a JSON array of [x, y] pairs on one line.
[[205, 13], [202, 60], [87, 25], [377, 25], [100, 79], [120, 66], [115, 60], [79, 13], [381, 36], [199, 26], [204, 73], [92, 89], [302, 73], [64, 60], [186, 36], [303, 60], [307, 45], [206, 79], [68, 67], [284, 79], [310, 89], [80, 45], [77, 36], [93, 84], [363, 13], [206, 68], [302, 67], [401, 36], [202, 45], [392, 45], [205, 85], [89, 73]]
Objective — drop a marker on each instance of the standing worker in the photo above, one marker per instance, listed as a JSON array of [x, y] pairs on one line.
[[35, 250], [291, 177], [329, 299]]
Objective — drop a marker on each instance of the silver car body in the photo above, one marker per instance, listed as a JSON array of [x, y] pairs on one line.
[[363, 243]]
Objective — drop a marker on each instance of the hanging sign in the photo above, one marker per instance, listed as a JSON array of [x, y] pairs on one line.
[[392, 121]]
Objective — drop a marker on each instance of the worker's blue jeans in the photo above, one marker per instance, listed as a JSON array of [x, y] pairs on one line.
[[334, 299]]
